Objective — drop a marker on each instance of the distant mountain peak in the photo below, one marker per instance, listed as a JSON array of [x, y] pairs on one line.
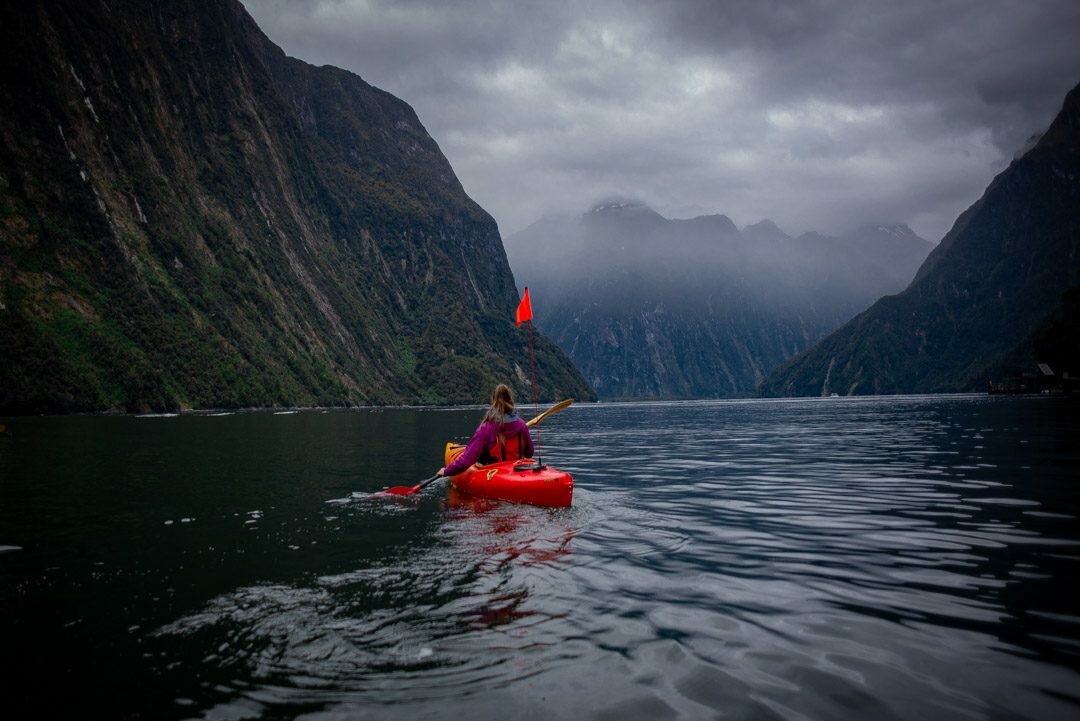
[[620, 212], [765, 230], [620, 205], [896, 230], [765, 224], [882, 235]]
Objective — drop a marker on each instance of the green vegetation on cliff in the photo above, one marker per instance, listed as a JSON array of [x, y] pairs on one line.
[[189, 218]]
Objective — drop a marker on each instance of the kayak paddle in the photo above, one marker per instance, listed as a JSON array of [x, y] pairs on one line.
[[561, 405], [409, 490]]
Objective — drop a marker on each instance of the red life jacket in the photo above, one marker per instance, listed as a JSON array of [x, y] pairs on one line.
[[506, 449]]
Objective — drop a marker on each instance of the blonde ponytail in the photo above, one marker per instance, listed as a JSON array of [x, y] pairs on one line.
[[502, 404]]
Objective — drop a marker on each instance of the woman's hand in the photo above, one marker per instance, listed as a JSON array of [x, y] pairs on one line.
[[441, 471]]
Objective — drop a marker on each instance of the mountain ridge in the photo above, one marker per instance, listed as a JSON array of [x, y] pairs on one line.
[[657, 308], [190, 218], [975, 306]]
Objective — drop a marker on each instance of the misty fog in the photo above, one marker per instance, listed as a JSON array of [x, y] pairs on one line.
[[622, 252]]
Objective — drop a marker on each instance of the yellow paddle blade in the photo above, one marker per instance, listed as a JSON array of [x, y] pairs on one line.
[[561, 405]]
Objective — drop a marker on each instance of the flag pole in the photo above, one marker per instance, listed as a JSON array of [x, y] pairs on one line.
[[524, 315], [536, 397]]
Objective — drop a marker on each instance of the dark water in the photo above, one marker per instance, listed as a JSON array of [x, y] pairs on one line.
[[898, 558]]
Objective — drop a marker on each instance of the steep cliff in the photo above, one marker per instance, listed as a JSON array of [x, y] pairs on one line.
[[992, 294], [189, 218]]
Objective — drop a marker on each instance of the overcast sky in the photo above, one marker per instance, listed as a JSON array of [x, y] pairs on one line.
[[818, 114]]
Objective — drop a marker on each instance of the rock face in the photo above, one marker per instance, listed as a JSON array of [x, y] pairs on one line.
[[649, 307], [994, 293], [189, 218]]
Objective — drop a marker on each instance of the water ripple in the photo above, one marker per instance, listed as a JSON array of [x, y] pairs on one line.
[[885, 558]]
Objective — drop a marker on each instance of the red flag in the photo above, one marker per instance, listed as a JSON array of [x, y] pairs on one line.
[[524, 309]]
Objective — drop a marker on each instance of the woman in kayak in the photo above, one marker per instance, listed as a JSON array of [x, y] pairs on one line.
[[502, 436]]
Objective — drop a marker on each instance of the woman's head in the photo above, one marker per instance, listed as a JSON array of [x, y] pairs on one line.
[[502, 404]]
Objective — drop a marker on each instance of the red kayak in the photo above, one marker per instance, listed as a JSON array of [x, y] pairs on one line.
[[521, 481]]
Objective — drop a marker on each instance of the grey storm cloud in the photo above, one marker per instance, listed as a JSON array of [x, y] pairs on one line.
[[818, 114]]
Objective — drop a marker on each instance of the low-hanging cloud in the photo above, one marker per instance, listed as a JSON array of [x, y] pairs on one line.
[[821, 115]]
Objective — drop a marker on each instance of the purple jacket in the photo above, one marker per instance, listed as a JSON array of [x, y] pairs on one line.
[[486, 436]]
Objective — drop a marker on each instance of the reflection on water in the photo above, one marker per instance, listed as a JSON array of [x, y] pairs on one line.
[[896, 558], [453, 617]]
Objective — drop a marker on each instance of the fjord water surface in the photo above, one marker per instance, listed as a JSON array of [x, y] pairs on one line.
[[884, 558]]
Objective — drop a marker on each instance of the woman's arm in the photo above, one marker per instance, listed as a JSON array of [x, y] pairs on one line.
[[481, 439]]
